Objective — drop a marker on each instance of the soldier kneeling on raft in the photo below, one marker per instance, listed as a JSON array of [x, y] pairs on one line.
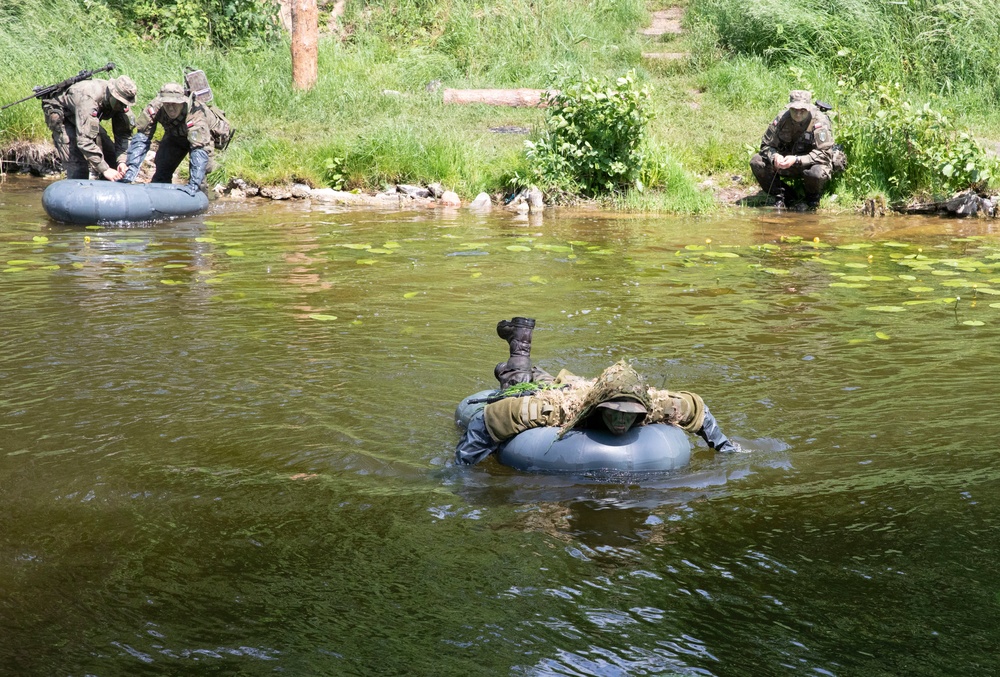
[[186, 130], [617, 400], [798, 145]]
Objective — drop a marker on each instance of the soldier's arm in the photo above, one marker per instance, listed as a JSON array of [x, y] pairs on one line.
[[199, 131], [769, 143], [822, 143], [121, 125], [688, 411]]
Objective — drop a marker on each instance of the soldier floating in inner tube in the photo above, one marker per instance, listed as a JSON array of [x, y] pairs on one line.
[[798, 144], [617, 400], [74, 118], [186, 130]]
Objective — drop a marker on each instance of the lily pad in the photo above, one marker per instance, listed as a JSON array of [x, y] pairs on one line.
[[171, 282], [474, 245], [205, 239], [855, 265], [974, 323], [366, 262], [907, 277], [854, 247], [212, 223], [791, 239], [919, 302], [235, 252], [920, 290], [578, 243], [22, 262], [15, 269], [41, 239], [995, 305], [849, 285], [886, 309], [410, 294], [323, 318], [175, 265], [721, 255], [945, 272], [379, 251], [769, 247], [776, 271], [882, 335], [988, 290], [538, 279], [553, 247], [694, 247], [355, 246], [92, 227], [518, 248], [391, 245], [477, 274]]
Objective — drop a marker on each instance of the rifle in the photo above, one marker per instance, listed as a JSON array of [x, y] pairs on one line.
[[46, 92]]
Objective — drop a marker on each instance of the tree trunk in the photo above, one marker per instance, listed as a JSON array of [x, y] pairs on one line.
[[305, 39], [500, 97]]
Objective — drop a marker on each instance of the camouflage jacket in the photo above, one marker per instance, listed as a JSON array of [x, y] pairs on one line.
[[810, 141], [571, 405], [193, 124], [84, 105]]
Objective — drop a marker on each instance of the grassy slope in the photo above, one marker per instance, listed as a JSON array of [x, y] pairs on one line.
[[711, 109]]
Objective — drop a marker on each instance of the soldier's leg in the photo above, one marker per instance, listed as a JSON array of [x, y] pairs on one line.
[[168, 157], [815, 178], [766, 176], [108, 149], [75, 164], [55, 121]]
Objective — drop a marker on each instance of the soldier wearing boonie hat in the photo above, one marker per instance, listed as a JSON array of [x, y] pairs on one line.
[[797, 145], [74, 118], [186, 132]]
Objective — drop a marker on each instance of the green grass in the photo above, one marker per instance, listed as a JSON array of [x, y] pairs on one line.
[[371, 106]]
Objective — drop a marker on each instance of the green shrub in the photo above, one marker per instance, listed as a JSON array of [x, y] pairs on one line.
[[904, 149], [199, 22], [593, 138]]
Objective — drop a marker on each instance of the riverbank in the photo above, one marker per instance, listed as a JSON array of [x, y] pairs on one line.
[[377, 116]]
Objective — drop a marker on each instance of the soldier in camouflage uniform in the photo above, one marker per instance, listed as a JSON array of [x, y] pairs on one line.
[[617, 400], [798, 145], [186, 130], [74, 118]]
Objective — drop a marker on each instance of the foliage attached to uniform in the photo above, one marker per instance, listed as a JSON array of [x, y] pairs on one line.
[[593, 138], [904, 149]]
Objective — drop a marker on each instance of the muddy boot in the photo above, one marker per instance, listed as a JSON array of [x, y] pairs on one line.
[[517, 368]]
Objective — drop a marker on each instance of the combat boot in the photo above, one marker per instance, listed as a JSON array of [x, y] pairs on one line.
[[779, 199], [517, 368]]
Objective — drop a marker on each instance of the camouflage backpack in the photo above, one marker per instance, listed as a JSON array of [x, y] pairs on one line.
[[196, 83]]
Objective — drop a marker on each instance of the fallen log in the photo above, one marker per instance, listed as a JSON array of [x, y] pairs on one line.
[[525, 98]]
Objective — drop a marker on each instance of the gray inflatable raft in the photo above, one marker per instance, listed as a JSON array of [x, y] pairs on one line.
[[655, 447], [90, 202]]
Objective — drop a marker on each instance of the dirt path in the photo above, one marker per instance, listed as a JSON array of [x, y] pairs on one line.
[[664, 30]]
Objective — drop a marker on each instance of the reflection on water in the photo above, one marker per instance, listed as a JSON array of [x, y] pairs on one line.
[[226, 442]]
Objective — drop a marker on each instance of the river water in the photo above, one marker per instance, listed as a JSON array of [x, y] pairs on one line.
[[203, 472]]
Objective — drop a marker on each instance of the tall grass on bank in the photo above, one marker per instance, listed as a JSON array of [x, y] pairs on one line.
[[930, 45]]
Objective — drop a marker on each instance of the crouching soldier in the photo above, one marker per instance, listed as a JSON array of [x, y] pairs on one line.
[[74, 117], [616, 400], [797, 145], [186, 131]]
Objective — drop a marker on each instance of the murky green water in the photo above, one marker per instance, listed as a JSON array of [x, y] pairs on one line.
[[201, 473]]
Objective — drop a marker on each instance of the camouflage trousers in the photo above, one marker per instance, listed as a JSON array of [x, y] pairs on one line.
[[65, 141], [773, 181]]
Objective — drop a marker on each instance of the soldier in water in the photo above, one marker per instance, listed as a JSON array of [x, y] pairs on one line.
[[616, 400], [186, 131], [74, 118], [798, 145]]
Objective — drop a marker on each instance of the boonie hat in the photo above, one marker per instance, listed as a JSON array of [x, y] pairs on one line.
[[799, 98], [124, 89], [624, 404], [172, 93]]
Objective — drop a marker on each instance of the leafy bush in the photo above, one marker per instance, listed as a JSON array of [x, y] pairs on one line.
[[200, 22], [593, 137], [902, 149]]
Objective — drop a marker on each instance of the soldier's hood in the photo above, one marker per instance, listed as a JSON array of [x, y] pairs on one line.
[[618, 382]]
